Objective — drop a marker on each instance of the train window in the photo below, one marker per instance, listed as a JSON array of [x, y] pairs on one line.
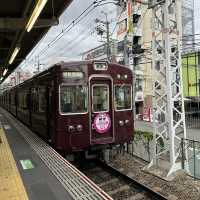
[[73, 99], [12, 98], [39, 102], [34, 99], [73, 74], [101, 66], [123, 97], [22, 99], [100, 98], [42, 99]]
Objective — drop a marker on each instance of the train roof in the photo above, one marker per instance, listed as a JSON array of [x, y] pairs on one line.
[[70, 63]]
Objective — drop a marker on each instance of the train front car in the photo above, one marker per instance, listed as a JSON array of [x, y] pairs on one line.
[[95, 106]]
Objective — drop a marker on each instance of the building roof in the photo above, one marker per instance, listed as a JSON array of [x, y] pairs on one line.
[[14, 16]]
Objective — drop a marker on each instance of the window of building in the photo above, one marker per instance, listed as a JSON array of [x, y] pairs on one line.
[[123, 97], [100, 98], [73, 99], [139, 83]]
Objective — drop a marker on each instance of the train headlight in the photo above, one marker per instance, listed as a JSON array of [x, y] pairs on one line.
[[71, 129], [126, 121], [79, 128], [121, 123]]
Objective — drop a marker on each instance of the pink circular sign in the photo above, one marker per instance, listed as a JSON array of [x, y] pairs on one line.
[[102, 122]]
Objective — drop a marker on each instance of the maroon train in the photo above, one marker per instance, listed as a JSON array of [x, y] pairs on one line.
[[77, 106]]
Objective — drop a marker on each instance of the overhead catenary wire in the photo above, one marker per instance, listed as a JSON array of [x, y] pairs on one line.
[[63, 48], [60, 35], [66, 49], [73, 40], [82, 14], [71, 25], [77, 40]]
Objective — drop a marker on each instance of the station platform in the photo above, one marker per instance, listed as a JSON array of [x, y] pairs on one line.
[[31, 170]]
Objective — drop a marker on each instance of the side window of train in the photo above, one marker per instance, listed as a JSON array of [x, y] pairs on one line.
[[13, 98], [34, 98], [123, 97], [73, 99], [39, 102], [42, 100], [25, 96], [22, 99]]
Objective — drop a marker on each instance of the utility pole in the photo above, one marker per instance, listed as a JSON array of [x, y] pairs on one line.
[[108, 41], [126, 57], [38, 64], [107, 35], [101, 30], [168, 103]]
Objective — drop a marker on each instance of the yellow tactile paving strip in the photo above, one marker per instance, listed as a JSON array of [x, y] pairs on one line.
[[11, 185]]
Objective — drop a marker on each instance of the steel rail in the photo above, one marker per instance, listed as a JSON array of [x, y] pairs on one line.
[[148, 190]]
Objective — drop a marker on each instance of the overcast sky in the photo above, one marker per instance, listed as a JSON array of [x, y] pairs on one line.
[[80, 38], [197, 16]]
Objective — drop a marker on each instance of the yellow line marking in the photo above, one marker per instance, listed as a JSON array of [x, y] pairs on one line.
[[11, 185]]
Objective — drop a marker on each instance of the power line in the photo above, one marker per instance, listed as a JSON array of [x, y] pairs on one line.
[[63, 48], [50, 44], [74, 22], [77, 39], [67, 48]]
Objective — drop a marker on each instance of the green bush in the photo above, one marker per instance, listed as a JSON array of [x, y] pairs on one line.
[[143, 135]]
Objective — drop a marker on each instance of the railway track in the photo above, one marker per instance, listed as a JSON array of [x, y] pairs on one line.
[[117, 184]]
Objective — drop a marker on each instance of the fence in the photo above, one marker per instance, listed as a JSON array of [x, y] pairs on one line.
[[192, 120], [192, 162], [142, 148]]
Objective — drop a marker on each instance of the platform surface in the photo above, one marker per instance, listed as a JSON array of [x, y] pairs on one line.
[[11, 186], [23, 174], [31, 169]]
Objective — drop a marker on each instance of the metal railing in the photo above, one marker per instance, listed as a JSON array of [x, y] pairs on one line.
[[192, 162], [192, 120]]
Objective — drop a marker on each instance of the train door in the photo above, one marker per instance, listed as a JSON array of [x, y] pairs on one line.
[[101, 116], [51, 114]]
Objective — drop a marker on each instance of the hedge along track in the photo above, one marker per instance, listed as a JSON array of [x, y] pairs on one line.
[[117, 184]]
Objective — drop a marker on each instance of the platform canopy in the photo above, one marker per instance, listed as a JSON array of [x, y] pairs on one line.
[[22, 24]]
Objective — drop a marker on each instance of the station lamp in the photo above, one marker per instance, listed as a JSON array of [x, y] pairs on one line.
[[36, 12], [5, 71], [15, 52]]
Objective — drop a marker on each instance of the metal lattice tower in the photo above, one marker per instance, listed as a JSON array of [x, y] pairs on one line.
[[169, 114]]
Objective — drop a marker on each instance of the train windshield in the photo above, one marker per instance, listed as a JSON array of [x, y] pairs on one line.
[[73, 99], [100, 98], [123, 97]]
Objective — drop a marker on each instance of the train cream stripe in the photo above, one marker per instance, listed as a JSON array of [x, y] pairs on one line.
[[11, 185]]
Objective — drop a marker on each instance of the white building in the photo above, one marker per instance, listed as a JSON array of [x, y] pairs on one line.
[[135, 42]]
